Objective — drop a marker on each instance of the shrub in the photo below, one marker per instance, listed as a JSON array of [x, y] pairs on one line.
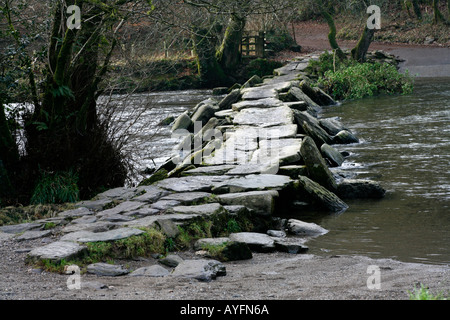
[[279, 40], [56, 188], [359, 80], [262, 67]]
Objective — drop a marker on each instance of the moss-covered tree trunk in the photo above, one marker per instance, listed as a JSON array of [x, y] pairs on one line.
[[68, 136], [438, 17], [229, 55], [209, 69], [360, 51], [332, 35], [416, 8]]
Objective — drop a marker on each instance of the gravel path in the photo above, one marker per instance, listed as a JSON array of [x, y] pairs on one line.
[[270, 276]]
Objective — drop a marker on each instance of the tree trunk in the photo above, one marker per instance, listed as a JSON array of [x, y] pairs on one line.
[[8, 148], [332, 35], [209, 69], [416, 8], [9, 156], [229, 55], [438, 17], [360, 51]]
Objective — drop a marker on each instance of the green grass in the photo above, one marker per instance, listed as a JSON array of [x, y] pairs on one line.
[[349, 79], [152, 241], [423, 293], [58, 187]]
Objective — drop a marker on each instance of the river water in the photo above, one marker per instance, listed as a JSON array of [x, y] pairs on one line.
[[405, 145]]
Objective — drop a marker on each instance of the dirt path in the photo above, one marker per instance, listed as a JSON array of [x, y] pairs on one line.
[[420, 60], [274, 276]]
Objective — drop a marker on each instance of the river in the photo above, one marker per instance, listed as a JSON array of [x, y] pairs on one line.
[[405, 145]]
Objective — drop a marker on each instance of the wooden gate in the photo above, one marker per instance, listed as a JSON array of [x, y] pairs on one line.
[[253, 46]]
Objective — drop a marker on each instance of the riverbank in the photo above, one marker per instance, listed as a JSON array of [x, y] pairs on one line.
[[267, 276]]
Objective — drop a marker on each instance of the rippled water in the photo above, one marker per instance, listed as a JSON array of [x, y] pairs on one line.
[[406, 146]]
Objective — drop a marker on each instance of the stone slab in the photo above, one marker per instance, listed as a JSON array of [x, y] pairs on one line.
[[56, 251], [112, 235]]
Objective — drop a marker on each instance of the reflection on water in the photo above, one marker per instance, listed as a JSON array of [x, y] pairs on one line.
[[406, 146]]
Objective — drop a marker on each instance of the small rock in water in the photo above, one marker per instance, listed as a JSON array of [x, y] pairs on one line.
[[276, 233]]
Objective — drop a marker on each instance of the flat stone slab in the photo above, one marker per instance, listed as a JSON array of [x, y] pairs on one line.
[[31, 235], [264, 133], [79, 212], [209, 170], [151, 271], [111, 235], [202, 270], [257, 93], [84, 220], [126, 206], [95, 205], [259, 242], [191, 183], [279, 151], [56, 251], [20, 228], [107, 270], [261, 202], [142, 212], [255, 168], [253, 183], [76, 235], [6, 236], [98, 226], [150, 194], [265, 117], [120, 193], [204, 209], [164, 204], [186, 198], [115, 217], [261, 103]]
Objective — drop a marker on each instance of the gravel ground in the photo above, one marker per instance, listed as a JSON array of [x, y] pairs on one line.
[[274, 276]]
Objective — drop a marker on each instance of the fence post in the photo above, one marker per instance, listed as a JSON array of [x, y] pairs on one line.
[[260, 44]]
